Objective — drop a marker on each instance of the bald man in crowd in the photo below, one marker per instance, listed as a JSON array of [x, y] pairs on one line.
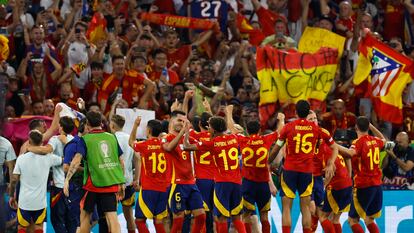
[[338, 117]]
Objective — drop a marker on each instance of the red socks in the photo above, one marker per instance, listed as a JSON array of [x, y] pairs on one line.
[[328, 226], [239, 225], [199, 223], [141, 226], [131, 231], [286, 229], [177, 225], [38, 231], [307, 230], [265, 227], [315, 221], [159, 227], [248, 227], [222, 227], [373, 228], [356, 228], [338, 228]]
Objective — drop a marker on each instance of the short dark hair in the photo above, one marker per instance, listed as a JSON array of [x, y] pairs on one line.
[[362, 123], [180, 84], [218, 124], [67, 124], [82, 24], [36, 123], [35, 137], [176, 113], [302, 108], [134, 58], [205, 116], [94, 119], [37, 102], [82, 124], [253, 127], [155, 127], [117, 57], [158, 51], [118, 120], [97, 65]]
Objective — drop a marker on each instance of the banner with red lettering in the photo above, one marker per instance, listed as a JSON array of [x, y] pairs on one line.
[[179, 21]]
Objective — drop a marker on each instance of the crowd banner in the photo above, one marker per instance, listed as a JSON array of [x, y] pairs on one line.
[[388, 72], [178, 21], [130, 116], [315, 38], [292, 76]]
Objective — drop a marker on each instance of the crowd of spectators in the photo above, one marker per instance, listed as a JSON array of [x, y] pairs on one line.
[[149, 66]]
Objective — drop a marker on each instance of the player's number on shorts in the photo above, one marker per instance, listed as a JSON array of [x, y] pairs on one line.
[[261, 152], [207, 5], [158, 162], [374, 157], [203, 158], [177, 197], [302, 144], [233, 154]]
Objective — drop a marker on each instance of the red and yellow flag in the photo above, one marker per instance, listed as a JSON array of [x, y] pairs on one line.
[[289, 76], [179, 21], [388, 73], [292, 76], [255, 36], [97, 28]]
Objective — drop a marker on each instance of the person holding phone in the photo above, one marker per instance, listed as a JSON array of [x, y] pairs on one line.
[[78, 51]]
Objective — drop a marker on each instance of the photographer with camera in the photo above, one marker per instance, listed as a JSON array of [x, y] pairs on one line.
[[398, 165]]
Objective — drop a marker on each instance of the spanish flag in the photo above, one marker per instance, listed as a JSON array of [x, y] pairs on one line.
[[255, 36], [290, 76], [97, 28], [388, 72]]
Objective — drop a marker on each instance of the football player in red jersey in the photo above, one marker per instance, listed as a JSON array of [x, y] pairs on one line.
[[301, 137], [184, 194], [255, 172], [227, 189], [151, 174], [365, 153], [204, 169], [338, 195]]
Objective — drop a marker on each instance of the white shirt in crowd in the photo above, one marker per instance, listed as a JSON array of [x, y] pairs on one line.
[[34, 171], [128, 155], [6, 154], [77, 53], [58, 173]]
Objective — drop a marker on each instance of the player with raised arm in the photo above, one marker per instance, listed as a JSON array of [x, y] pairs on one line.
[[367, 198], [301, 137], [152, 175], [205, 169], [337, 197], [184, 194], [227, 189]]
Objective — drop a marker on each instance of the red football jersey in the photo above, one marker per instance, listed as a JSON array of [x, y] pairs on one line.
[[341, 179], [225, 151], [153, 165], [365, 163], [182, 162], [322, 151], [204, 163], [301, 136], [255, 154]]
